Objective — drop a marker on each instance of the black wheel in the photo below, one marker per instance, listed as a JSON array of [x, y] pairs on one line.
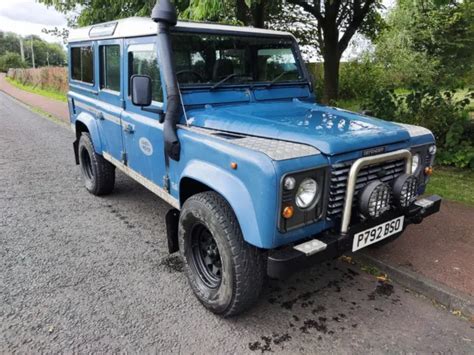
[[98, 173], [225, 273]]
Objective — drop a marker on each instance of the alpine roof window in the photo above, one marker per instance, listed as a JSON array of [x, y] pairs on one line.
[[82, 64]]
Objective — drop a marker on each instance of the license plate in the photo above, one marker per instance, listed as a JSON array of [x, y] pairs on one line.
[[377, 233]]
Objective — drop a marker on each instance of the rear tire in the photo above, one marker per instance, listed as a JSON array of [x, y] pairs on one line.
[[225, 273], [98, 173]]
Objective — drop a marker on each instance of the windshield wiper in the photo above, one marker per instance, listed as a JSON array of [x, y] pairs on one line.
[[228, 77], [278, 77]]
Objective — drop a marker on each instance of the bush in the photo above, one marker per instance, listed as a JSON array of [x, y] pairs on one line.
[[441, 112], [11, 60], [47, 78], [358, 79]]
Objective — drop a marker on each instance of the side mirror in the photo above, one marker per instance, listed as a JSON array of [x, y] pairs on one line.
[[141, 90]]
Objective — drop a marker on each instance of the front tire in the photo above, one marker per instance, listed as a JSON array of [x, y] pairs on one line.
[[98, 173], [225, 273]]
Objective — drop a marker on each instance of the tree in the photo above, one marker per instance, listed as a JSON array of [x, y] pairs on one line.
[[45, 53], [11, 60], [334, 21], [96, 11], [337, 21], [244, 12], [427, 42], [330, 26]]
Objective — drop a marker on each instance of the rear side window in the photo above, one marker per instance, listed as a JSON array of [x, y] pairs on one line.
[[142, 60], [82, 64], [110, 67]]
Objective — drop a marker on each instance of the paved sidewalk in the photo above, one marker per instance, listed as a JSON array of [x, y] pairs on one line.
[[440, 250], [55, 108]]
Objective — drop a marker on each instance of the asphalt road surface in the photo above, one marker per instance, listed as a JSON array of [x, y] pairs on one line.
[[81, 273]]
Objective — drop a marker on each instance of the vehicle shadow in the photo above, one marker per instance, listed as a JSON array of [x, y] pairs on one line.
[[325, 302]]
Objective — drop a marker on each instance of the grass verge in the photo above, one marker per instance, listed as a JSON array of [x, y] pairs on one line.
[[52, 94], [453, 184]]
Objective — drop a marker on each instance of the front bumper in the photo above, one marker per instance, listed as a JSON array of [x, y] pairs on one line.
[[283, 262]]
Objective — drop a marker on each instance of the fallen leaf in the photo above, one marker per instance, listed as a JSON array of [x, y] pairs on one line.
[[382, 277], [456, 312], [347, 259]]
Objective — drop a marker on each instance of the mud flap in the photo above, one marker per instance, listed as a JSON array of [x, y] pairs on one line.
[[172, 222], [76, 150]]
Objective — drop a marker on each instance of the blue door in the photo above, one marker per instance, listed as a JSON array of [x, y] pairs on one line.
[[142, 131], [110, 94]]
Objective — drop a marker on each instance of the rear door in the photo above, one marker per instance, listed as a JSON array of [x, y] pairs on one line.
[[110, 95], [142, 131]]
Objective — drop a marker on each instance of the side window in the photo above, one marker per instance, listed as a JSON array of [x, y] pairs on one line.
[[82, 64], [142, 60], [110, 67]]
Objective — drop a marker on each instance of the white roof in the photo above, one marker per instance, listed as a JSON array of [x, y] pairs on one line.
[[143, 26]]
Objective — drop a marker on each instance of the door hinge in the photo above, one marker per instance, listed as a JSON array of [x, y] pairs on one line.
[[166, 183], [124, 158]]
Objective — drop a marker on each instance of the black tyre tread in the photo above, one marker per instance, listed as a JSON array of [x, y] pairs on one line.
[[250, 266], [104, 170]]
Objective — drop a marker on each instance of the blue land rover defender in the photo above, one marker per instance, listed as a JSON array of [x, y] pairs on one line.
[[221, 122]]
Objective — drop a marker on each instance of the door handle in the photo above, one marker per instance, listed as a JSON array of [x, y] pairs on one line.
[[128, 128]]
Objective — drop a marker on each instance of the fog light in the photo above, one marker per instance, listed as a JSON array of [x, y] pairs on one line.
[[405, 190], [375, 199], [429, 171], [288, 212]]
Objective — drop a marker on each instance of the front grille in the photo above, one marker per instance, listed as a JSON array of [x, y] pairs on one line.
[[386, 172]]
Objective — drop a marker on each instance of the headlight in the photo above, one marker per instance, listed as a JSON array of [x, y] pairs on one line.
[[307, 194], [432, 150], [415, 163]]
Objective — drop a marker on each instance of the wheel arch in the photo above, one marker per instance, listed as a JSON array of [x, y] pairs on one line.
[[199, 177], [86, 123]]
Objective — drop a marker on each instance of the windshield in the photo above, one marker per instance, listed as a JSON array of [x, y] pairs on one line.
[[221, 59]]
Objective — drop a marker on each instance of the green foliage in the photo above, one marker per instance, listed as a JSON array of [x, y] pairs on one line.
[[210, 10], [453, 184], [11, 60], [45, 53], [358, 78], [95, 11], [49, 93], [441, 112], [427, 42]]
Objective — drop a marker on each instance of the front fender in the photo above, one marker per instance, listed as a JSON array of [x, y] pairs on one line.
[[91, 123], [234, 191]]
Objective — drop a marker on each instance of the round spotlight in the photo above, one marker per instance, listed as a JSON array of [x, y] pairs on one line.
[[415, 163], [405, 190], [375, 199], [289, 183]]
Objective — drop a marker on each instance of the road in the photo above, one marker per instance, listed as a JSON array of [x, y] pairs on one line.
[[87, 274]]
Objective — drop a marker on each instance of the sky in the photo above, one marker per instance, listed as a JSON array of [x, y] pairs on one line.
[[27, 17]]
